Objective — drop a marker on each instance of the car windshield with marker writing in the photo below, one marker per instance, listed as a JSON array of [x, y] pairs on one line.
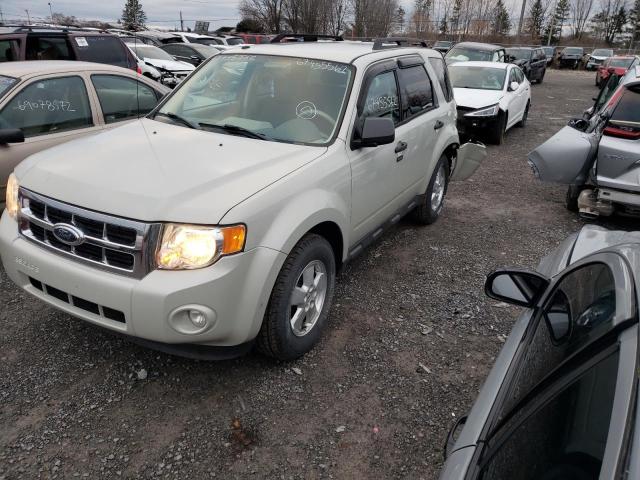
[[264, 97]]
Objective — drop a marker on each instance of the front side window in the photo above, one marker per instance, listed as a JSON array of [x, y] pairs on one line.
[[6, 83], [123, 98], [582, 304], [48, 106], [382, 98], [9, 50], [416, 90], [562, 438], [481, 78], [48, 48], [442, 73], [287, 99]]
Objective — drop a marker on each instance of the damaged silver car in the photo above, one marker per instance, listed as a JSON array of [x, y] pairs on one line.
[[598, 158]]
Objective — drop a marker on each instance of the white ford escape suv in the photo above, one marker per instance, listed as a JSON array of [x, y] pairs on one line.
[[220, 219]]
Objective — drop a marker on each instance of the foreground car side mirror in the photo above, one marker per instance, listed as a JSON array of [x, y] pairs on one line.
[[374, 132], [513, 86], [516, 286], [11, 135]]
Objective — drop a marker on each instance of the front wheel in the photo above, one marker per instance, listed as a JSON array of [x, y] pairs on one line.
[[497, 135], [299, 306], [430, 208], [523, 122]]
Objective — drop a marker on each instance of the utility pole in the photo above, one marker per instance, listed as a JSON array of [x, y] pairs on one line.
[[28, 17], [181, 22], [553, 21], [524, 4], [51, 12], [1, 15]]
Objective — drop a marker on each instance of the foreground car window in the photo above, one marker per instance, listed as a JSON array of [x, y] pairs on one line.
[[561, 438], [484, 78], [6, 83], [288, 99], [123, 98], [48, 106]]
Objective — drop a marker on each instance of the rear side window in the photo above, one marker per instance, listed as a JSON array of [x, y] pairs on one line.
[[95, 48], [48, 48], [123, 98], [9, 50], [628, 108], [48, 106], [442, 74], [416, 91]]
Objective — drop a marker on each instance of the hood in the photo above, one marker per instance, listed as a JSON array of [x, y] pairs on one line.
[[597, 57], [593, 238], [171, 65], [152, 171], [476, 98]]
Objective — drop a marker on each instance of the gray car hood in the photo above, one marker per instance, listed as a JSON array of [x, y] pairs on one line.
[[152, 171]]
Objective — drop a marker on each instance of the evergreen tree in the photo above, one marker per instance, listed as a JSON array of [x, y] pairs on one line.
[[501, 22], [399, 19], [133, 16], [557, 21], [607, 27], [535, 22], [444, 25], [634, 22]]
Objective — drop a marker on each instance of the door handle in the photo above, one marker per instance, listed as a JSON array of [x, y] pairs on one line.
[[401, 147], [438, 125]]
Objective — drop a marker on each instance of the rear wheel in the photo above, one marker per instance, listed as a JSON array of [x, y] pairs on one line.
[[429, 210], [299, 306]]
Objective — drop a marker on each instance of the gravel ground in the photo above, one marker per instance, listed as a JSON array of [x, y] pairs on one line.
[[411, 339]]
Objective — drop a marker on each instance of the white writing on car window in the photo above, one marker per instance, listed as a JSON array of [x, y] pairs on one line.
[[382, 103], [49, 105]]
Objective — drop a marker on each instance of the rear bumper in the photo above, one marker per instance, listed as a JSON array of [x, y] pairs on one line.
[[233, 293], [617, 196]]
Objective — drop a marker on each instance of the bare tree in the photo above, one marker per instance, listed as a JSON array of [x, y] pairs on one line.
[[267, 12], [373, 18], [580, 11]]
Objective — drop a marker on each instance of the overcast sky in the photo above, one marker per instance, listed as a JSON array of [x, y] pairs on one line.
[[159, 12]]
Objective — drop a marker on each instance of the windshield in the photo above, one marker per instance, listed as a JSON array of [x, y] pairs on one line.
[[462, 54], [234, 41], [573, 51], [205, 50], [602, 52], [288, 99], [620, 62], [519, 53], [6, 83], [149, 51], [483, 78], [548, 50], [442, 43], [205, 41]]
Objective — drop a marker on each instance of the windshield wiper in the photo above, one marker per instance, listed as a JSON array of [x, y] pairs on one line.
[[178, 118], [235, 129]]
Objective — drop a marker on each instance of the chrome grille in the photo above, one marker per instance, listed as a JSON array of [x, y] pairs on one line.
[[112, 243]]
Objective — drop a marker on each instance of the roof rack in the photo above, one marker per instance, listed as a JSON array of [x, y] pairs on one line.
[[304, 37], [395, 42]]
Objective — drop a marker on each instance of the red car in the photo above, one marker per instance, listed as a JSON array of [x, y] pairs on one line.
[[618, 65]]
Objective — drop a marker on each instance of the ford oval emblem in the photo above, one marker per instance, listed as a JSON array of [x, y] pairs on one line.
[[68, 234]]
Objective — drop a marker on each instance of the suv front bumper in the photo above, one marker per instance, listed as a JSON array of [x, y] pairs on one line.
[[233, 293]]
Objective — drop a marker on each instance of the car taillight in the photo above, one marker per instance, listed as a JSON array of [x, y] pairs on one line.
[[139, 70], [627, 133]]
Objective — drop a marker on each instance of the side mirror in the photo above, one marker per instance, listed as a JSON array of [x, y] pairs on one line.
[[195, 59], [513, 86], [11, 135], [519, 287], [375, 131], [579, 124]]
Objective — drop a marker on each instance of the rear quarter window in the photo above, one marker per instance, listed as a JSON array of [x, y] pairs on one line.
[[101, 49], [628, 108]]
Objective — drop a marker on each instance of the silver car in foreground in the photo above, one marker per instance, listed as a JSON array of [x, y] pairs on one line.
[[598, 158], [561, 400]]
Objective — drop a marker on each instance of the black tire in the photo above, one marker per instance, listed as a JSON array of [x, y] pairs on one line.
[[427, 213], [523, 123], [276, 338], [571, 200], [541, 79], [497, 136]]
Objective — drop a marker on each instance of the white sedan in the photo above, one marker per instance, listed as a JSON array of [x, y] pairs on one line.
[[491, 98]]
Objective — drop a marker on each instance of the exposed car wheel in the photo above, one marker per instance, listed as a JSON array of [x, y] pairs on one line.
[[571, 200], [300, 301], [429, 210], [522, 123], [497, 136]]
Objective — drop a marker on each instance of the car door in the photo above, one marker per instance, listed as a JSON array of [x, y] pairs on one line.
[[538, 63], [122, 98], [373, 168], [519, 96], [418, 131], [12, 47], [563, 404], [49, 110]]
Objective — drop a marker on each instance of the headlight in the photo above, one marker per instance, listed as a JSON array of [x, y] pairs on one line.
[[491, 111], [12, 196], [187, 247]]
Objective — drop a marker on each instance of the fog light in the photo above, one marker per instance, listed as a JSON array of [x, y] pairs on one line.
[[198, 318]]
